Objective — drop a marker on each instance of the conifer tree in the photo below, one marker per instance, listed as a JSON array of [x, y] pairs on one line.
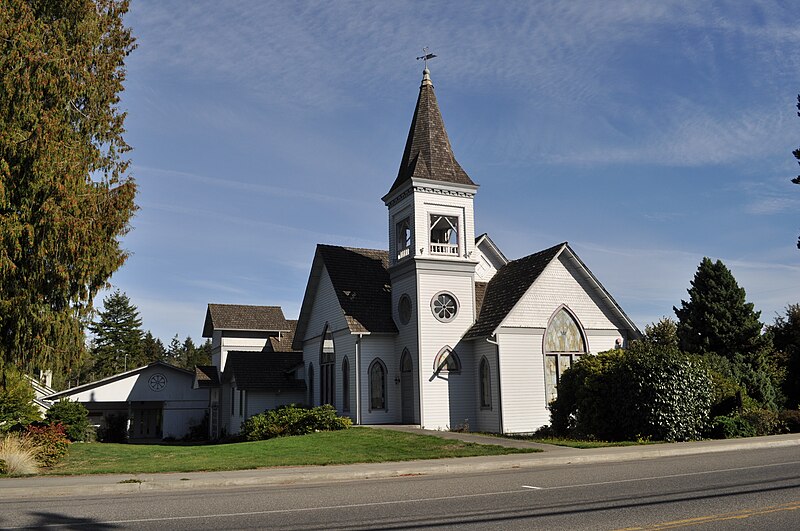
[[796, 154], [152, 348], [118, 336], [786, 339], [717, 318], [65, 199]]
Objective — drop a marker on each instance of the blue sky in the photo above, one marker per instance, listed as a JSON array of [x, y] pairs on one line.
[[647, 134]]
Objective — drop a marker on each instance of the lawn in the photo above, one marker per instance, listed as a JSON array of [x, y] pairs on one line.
[[354, 445], [577, 443]]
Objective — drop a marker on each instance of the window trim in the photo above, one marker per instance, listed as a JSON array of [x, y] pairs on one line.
[[404, 297], [439, 365], [485, 404], [435, 299], [384, 376], [345, 384]]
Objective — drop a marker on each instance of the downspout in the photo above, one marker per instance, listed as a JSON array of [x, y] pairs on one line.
[[499, 387], [358, 379]]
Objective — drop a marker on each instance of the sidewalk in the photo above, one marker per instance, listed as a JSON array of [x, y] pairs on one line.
[[53, 486]]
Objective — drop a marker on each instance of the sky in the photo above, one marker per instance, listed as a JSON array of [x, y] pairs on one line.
[[646, 134]]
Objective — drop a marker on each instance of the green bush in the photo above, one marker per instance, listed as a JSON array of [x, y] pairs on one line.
[[731, 427], [790, 420], [16, 401], [292, 420], [764, 421], [51, 443], [75, 418], [651, 391]]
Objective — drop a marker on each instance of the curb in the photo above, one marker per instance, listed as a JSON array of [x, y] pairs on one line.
[[45, 487]]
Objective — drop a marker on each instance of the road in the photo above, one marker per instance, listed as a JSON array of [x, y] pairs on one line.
[[746, 489]]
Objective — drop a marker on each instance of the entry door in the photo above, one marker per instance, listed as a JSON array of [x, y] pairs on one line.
[[147, 423], [407, 388]]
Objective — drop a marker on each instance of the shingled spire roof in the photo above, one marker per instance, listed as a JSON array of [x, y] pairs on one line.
[[428, 154]]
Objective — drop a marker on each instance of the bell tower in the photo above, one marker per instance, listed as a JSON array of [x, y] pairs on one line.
[[431, 265]]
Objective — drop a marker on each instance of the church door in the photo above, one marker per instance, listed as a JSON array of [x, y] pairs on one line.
[[407, 388]]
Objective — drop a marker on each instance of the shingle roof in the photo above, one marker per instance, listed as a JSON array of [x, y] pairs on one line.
[[284, 343], [360, 278], [243, 317], [507, 287], [206, 376], [271, 371], [480, 293], [428, 154]]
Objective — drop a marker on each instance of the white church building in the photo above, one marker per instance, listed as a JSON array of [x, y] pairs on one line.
[[442, 330]]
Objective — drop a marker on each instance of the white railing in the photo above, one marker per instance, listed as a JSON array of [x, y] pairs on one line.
[[402, 253], [450, 249]]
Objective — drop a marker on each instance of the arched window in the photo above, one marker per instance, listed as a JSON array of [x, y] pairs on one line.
[[311, 384], [345, 384], [327, 360], [377, 385], [564, 342], [446, 361], [486, 384]]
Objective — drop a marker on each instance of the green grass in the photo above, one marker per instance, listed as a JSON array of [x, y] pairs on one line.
[[354, 445]]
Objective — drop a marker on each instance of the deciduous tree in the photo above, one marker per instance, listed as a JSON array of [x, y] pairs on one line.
[[65, 197]]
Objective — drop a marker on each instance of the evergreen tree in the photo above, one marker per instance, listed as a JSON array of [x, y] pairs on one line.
[[717, 317], [152, 348], [786, 338], [796, 154], [174, 351], [196, 355], [118, 336], [65, 199]]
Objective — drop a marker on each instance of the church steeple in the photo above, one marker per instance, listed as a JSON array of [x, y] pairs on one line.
[[428, 154]]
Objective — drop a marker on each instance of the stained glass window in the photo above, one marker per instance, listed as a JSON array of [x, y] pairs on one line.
[[563, 334]]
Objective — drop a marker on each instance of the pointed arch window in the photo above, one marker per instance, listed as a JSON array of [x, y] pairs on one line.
[[377, 385], [345, 384], [446, 361], [564, 343], [327, 359], [486, 384]]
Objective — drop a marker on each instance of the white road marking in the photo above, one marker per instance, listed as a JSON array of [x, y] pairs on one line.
[[530, 487], [415, 500]]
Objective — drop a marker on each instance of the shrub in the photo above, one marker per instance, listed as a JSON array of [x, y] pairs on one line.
[[292, 420], [75, 418], [651, 391], [51, 442], [764, 421], [17, 455], [731, 427], [790, 420], [16, 400]]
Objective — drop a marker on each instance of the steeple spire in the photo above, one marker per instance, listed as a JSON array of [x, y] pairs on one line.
[[428, 154]]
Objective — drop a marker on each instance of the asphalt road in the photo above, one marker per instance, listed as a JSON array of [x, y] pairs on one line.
[[746, 489]]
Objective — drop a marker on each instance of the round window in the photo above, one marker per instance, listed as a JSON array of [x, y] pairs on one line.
[[404, 309], [157, 382], [444, 306]]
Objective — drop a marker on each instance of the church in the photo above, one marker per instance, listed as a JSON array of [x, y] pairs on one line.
[[441, 330]]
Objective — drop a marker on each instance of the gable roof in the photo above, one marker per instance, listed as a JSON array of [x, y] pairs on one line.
[[428, 154], [206, 376], [114, 378], [507, 287], [514, 279], [271, 371], [243, 317], [360, 278], [284, 342]]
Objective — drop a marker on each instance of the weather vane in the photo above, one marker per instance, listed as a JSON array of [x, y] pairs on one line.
[[425, 56]]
